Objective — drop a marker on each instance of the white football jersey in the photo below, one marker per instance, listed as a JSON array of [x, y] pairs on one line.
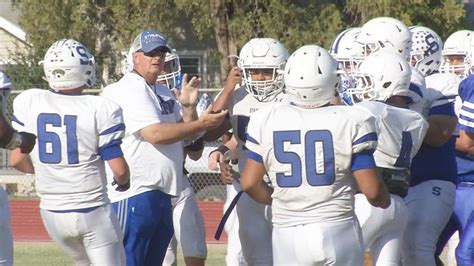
[[73, 134], [308, 155], [241, 106], [441, 88], [400, 134]]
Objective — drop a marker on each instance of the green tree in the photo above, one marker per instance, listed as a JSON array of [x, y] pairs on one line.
[[444, 17], [234, 22], [219, 26]]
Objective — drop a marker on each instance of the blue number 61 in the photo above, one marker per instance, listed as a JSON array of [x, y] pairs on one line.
[[53, 155]]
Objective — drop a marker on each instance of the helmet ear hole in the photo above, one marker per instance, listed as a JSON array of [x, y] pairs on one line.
[[387, 84]]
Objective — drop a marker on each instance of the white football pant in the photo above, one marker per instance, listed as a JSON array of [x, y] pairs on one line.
[[234, 256], [188, 223], [382, 229], [6, 239], [329, 243], [93, 237], [430, 205]]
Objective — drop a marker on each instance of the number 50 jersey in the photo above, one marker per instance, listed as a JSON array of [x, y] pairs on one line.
[[309, 155], [75, 134]]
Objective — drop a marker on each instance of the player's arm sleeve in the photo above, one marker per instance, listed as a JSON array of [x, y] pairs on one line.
[[20, 113], [466, 116], [111, 130], [254, 137], [364, 142]]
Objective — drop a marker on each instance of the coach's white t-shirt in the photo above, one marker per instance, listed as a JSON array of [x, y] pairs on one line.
[[152, 166]]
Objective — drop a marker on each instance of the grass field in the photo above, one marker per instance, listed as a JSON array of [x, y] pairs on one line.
[[49, 253]]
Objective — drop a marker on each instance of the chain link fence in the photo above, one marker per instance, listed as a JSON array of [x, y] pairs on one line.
[[206, 183]]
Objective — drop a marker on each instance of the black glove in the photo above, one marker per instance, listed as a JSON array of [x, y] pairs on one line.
[[23, 140], [121, 188], [28, 142]]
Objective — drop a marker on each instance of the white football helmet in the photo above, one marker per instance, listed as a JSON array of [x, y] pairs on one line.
[[381, 76], [460, 43], [426, 49], [384, 34], [263, 53], [68, 64], [172, 71], [311, 76], [344, 50]]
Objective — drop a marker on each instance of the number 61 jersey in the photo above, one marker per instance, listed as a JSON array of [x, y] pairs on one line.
[[309, 155], [75, 134]]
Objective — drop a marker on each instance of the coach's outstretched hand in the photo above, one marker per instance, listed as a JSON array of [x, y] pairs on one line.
[[189, 93], [212, 120]]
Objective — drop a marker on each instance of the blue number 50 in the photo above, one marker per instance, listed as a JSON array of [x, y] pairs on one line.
[[53, 154], [321, 175]]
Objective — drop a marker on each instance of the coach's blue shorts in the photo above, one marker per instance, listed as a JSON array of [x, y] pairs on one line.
[[147, 223]]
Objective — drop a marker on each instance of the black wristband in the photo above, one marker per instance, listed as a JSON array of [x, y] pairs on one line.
[[222, 149]]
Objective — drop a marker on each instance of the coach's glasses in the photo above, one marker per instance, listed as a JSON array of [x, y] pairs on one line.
[[158, 52]]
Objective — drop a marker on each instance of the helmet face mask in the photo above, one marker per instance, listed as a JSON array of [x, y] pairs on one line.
[[68, 64], [457, 54], [263, 55], [263, 89], [363, 90], [381, 76], [458, 64], [171, 75]]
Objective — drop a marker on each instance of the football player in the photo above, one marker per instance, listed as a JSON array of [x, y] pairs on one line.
[[345, 51], [381, 80], [461, 220], [313, 166], [9, 139], [430, 198], [76, 134], [260, 65], [463, 217]]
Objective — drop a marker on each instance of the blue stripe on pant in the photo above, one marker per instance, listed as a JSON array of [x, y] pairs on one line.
[[147, 223]]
